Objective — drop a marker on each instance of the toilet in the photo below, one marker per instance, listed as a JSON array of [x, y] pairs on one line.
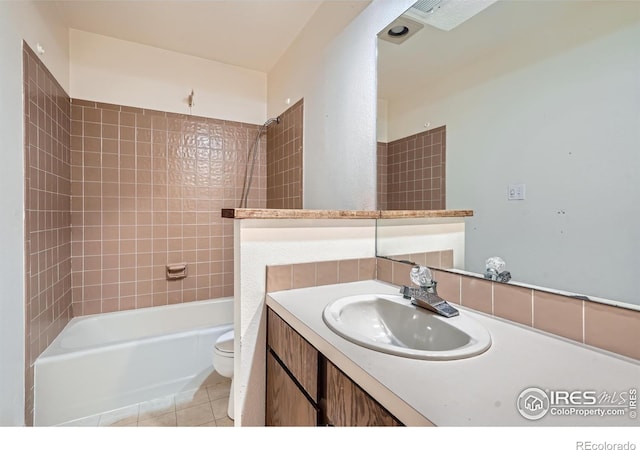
[[223, 362]]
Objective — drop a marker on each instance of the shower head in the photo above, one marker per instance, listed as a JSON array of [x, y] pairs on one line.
[[251, 160], [271, 120]]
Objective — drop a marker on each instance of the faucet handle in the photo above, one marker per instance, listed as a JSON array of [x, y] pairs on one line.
[[421, 276]]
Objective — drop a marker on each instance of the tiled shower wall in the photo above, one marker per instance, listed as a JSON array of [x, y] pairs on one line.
[[381, 173], [415, 171], [147, 189], [47, 213], [284, 160]]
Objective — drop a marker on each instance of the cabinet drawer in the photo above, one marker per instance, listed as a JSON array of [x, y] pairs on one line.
[[300, 358]]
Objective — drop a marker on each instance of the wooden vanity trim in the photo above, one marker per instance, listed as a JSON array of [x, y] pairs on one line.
[[405, 214], [245, 213], [257, 213]]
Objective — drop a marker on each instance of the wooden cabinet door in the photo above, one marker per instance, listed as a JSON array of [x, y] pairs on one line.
[[347, 404], [296, 354], [287, 406]]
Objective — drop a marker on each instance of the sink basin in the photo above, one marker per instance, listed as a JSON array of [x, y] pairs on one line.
[[391, 324]]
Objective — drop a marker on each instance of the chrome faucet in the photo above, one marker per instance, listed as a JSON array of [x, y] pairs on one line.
[[495, 270], [426, 295]]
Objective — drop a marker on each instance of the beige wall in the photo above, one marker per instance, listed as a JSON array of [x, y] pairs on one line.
[[111, 70], [337, 80]]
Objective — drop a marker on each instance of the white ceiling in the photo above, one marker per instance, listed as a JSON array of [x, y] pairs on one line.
[[432, 54], [252, 34]]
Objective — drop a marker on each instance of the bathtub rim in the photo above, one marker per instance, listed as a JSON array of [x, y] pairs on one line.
[[55, 350]]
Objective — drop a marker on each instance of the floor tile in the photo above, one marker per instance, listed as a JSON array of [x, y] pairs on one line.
[[194, 416], [219, 390], [188, 408], [220, 407], [214, 378], [209, 424], [191, 398], [224, 422], [165, 420]]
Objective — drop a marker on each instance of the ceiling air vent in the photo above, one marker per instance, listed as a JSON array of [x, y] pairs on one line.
[[446, 14], [424, 7]]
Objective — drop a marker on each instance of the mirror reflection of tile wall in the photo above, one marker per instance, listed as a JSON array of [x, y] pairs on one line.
[[411, 171]]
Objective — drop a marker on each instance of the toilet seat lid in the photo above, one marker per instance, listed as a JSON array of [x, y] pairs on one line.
[[225, 342]]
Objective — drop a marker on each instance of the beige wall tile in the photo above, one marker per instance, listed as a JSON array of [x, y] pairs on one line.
[[284, 159], [558, 315], [304, 275], [367, 268], [384, 270], [446, 259], [348, 270], [279, 278], [47, 233], [326, 273], [513, 303], [612, 328], [401, 273], [424, 187], [433, 259], [448, 285], [420, 259], [141, 198], [477, 294]]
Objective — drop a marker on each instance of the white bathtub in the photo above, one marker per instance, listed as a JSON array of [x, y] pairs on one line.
[[107, 361]]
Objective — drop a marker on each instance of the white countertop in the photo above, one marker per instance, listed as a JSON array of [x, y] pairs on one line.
[[477, 391]]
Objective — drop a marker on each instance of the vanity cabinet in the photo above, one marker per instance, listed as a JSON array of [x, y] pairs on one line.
[[304, 388], [292, 376]]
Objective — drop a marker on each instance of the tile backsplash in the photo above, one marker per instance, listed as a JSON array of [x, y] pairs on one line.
[[148, 187], [295, 276], [599, 325]]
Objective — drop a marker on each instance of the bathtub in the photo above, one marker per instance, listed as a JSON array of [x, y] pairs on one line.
[[107, 361]]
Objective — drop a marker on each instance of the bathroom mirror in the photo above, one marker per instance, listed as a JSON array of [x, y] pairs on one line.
[[539, 100]]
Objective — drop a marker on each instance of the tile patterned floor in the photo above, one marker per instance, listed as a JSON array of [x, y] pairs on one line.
[[204, 406]]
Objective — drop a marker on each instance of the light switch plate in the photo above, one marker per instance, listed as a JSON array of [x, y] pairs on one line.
[[516, 192]]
